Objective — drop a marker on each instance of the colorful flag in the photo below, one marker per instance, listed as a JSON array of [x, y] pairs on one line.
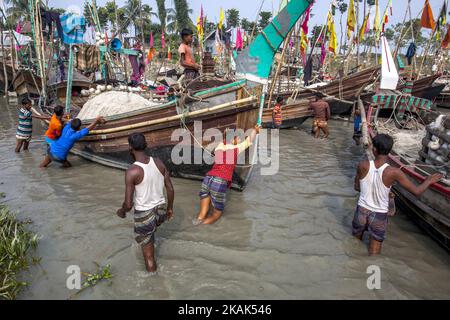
[[169, 53], [442, 21], [363, 30], [333, 38], [221, 19], [303, 42], [391, 7], [239, 42], [427, 19], [446, 40], [351, 19], [306, 20], [163, 39], [376, 22], [151, 40]]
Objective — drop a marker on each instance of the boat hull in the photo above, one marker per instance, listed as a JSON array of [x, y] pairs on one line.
[[293, 115], [172, 139]]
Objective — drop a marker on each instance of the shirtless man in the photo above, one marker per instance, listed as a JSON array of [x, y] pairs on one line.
[[374, 180], [321, 111]]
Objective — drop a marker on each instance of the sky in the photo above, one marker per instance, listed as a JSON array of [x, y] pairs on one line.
[[249, 8]]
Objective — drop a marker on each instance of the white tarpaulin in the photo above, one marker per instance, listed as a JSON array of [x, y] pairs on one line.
[[20, 38], [389, 74]]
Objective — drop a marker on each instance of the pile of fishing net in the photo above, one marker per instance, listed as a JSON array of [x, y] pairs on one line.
[[436, 144], [406, 142], [112, 103]]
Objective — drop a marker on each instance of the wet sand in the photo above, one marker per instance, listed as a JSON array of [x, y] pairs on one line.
[[286, 237]]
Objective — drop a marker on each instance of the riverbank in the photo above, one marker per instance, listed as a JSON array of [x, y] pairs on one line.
[[287, 236]]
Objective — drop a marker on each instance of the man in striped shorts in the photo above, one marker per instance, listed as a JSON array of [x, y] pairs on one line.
[[25, 127], [219, 178]]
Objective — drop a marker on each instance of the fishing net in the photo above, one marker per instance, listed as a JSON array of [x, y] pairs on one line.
[[407, 143], [112, 103]]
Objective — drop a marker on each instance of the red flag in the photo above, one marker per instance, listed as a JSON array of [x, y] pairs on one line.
[[427, 19], [305, 22], [151, 40], [446, 40]]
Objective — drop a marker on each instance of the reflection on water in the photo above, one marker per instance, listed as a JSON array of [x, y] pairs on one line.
[[286, 237]]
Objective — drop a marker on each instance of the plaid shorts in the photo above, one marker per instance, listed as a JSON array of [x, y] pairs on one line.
[[215, 188], [373, 222], [146, 223]]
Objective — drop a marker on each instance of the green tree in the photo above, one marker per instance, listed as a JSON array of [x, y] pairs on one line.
[[343, 6], [162, 12], [264, 19], [182, 12], [233, 19], [17, 9]]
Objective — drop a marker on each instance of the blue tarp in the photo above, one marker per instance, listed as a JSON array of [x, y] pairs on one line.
[[73, 28]]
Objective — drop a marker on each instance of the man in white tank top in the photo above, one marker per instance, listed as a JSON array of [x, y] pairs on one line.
[[374, 180], [145, 181]]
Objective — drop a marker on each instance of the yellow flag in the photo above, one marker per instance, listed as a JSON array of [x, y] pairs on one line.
[[376, 22], [303, 42], [362, 32], [333, 38], [221, 18], [351, 18]]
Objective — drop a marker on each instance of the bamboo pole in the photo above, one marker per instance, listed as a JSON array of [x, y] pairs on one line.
[[272, 87], [69, 80], [365, 130], [5, 74], [176, 117]]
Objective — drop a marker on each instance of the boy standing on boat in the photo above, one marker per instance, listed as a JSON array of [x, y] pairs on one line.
[[55, 127], [322, 115], [25, 128], [218, 179], [145, 181], [72, 132], [277, 117], [187, 59], [374, 180]]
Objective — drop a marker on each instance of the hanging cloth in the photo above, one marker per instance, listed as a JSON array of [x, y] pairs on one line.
[[411, 52]]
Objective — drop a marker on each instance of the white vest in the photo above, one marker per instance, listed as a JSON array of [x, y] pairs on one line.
[[150, 192], [374, 194]]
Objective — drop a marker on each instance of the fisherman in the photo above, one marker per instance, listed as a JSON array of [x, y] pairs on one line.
[[357, 130], [218, 179], [187, 59], [55, 127], [321, 111], [277, 118], [374, 180], [25, 127], [72, 132], [144, 189]]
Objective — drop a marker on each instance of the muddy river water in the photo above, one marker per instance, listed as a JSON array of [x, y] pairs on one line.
[[286, 237]]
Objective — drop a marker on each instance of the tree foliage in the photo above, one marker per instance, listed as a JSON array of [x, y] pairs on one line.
[[233, 18]]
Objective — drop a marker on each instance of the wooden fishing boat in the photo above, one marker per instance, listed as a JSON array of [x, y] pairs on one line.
[[431, 210], [344, 90], [9, 73], [425, 87], [231, 106], [57, 88], [294, 114], [27, 83]]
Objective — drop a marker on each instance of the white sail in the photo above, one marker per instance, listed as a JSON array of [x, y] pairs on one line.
[[389, 74]]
